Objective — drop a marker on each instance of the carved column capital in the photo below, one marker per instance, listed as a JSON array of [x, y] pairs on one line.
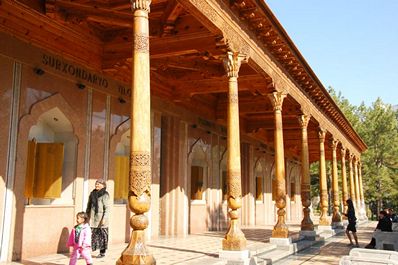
[[232, 62], [333, 144], [350, 157], [322, 134], [143, 5], [304, 120], [343, 152], [277, 100], [355, 160]]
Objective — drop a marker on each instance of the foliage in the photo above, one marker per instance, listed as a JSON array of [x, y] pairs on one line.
[[377, 125]]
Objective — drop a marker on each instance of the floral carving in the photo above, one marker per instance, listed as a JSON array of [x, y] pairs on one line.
[[141, 43], [234, 184]]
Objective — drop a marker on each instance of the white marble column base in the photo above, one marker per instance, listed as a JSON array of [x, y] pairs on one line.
[[337, 225], [281, 241], [325, 228], [235, 257], [308, 235]]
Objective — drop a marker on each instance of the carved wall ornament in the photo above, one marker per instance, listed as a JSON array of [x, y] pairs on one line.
[[280, 84], [140, 5], [206, 10], [141, 43], [305, 110]]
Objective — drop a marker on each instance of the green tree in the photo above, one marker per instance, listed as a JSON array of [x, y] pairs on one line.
[[379, 129]]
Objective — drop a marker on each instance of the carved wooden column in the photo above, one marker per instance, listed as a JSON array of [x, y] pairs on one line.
[[352, 184], [363, 209], [323, 219], [336, 217], [234, 239], [140, 146], [344, 180], [356, 179], [280, 229], [306, 223]]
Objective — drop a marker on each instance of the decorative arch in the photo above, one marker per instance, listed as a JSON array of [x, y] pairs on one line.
[[25, 123], [198, 167], [115, 139], [30, 119]]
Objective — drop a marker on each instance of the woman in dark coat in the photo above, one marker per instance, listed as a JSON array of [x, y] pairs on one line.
[[98, 211], [352, 221], [384, 225]]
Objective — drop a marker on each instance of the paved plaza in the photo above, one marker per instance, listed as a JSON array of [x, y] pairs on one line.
[[203, 249]]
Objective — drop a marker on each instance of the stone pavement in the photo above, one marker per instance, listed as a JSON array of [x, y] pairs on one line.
[[204, 248]]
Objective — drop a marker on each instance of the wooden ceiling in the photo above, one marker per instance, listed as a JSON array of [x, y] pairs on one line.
[[185, 59]]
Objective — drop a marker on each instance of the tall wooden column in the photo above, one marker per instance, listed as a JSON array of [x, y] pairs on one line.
[[323, 219], [139, 197], [336, 217], [356, 179], [306, 223], [363, 210], [234, 238], [344, 179], [352, 184], [280, 229]]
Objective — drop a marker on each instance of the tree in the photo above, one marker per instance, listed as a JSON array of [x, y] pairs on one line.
[[379, 129], [377, 125]]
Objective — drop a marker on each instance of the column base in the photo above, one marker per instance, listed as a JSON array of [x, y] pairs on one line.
[[308, 235], [240, 257], [136, 252], [324, 228], [337, 225], [283, 242]]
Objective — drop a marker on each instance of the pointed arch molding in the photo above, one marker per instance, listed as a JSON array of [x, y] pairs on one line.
[[219, 17], [116, 137], [30, 119]]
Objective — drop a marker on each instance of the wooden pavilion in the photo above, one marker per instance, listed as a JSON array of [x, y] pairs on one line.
[[200, 114]]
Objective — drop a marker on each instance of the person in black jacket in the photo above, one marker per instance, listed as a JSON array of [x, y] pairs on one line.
[[352, 221], [384, 225]]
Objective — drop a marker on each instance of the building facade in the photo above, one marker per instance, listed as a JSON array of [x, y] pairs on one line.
[[201, 116]]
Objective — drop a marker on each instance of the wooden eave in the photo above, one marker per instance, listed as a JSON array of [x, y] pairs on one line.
[[268, 29], [186, 59]]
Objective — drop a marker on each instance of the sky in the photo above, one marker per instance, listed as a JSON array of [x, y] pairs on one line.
[[351, 45]]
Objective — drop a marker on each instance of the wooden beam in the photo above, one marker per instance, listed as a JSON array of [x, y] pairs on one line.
[[115, 52], [124, 23], [86, 10]]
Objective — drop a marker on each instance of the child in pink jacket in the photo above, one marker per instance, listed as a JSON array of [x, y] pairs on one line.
[[80, 240]]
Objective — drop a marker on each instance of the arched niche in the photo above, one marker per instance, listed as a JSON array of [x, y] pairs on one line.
[[198, 167], [53, 129]]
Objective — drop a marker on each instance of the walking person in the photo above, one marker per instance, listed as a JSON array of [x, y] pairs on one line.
[[80, 240], [352, 221], [98, 211]]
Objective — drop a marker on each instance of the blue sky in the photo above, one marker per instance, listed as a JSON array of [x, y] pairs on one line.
[[352, 45]]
